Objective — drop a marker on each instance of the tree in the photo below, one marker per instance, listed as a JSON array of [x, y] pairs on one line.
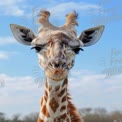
[[85, 111], [32, 117], [16, 118], [100, 111], [2, 117]]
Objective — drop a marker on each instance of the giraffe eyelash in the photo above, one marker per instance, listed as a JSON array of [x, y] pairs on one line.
[[77, 50], [38, 49]]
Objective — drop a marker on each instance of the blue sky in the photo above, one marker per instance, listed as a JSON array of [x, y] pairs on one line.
[[19, 69]]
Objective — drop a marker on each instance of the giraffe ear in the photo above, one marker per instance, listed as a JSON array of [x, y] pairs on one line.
[[22, 34], [91, 36]]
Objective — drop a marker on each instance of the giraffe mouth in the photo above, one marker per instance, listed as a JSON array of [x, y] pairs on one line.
[[57, 73]]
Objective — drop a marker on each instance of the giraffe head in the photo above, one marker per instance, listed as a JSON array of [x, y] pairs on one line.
[[57, 46]]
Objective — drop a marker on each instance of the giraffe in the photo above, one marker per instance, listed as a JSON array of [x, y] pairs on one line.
[[57, 48]]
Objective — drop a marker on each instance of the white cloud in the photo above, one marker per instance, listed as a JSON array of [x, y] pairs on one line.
[[88, 89], [15, 8], [15, 84], [18, 94], [11, 8], [82, 7], [59, 10], [6, 54], [3, 55], [7, 40]]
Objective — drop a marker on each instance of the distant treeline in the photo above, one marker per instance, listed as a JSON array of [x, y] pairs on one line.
[[101, 115], [89, 115]]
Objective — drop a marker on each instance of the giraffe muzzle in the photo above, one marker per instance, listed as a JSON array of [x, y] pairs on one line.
[[57, 63]]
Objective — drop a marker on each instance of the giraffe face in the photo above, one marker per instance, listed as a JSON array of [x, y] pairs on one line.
[[57, 46], [57, 55]]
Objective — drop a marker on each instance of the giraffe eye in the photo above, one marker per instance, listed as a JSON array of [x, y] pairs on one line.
[[77, 50], [38, 49]]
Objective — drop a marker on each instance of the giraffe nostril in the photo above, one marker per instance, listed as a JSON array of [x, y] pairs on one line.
[[63, 65], [54, 64], [57, 65]]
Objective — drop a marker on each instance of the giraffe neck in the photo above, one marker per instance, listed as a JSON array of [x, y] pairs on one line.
[[54, 103]]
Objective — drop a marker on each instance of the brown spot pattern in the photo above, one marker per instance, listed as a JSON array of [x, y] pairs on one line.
[[54, 105], [45, 97], [60, 118], [75, 117], [64, 99], [40, 120], [57, 88], [49, 88], [45, 111], [46, 94], [65, 82], [63, 108], [61, 93], [41, 101]]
